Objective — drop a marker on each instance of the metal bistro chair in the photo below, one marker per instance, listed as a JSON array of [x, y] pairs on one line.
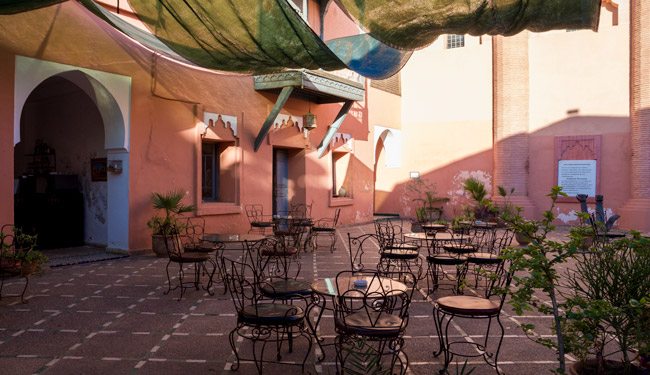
[[278, 268], [324, 227], [177, 254], [439, 260], [259, 222], [395, 254], [488, 257], [485, 305], [370, 321], [263, 320], [358, 246]]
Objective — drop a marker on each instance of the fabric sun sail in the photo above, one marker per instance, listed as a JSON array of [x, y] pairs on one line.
[[409, 25], [264, 36]]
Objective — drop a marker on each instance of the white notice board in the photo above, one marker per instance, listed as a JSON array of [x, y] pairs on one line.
[[577, 177]]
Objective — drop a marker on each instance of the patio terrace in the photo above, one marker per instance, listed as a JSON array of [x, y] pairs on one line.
[[112, 317]]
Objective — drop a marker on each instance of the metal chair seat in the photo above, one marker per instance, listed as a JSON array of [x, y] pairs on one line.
[[459, 248], [467, 306], [370, 324], [275, 314], [323, 229], [400, 254], [279, 251], [261, 224], [190, 258], [446, 260], [483, 258], [284, 289]]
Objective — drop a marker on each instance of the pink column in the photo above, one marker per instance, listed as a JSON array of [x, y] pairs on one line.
[[510, 117], [636, 212]]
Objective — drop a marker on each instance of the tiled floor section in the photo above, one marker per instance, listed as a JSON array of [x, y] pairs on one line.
[[112, 317]]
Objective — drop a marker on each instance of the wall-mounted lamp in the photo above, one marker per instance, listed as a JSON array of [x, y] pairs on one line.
[[309, 123], [114, 166]]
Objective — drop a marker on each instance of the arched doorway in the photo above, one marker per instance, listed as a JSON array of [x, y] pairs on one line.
[[387, 142], [70, 124]]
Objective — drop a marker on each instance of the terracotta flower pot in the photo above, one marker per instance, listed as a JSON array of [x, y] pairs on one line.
[[522, 238], [158, 245]]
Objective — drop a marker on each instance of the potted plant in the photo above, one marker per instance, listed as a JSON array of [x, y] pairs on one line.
[[431, 208], [484, 208], [603, 306], [170, 203], [19, 255]]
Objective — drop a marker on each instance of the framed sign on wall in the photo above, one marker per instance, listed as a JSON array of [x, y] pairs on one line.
[[577, 165]]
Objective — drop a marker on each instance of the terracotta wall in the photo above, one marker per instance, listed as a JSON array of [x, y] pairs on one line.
[[167, 104], [446, 122]]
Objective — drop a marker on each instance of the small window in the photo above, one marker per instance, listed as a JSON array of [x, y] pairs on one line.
[[455, 41], [341, 175], [218, 172]]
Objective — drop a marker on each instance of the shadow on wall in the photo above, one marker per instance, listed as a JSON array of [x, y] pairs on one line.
[[613, 169]]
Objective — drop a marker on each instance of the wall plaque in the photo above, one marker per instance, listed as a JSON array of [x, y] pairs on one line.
[[577, 177]]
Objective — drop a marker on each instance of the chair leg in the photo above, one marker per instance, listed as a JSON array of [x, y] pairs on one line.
[[169, 280], [235, 365]]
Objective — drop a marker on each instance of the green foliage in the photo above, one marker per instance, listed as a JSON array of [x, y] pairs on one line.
[[484, 208], [171, 204], [538, 263], [604, 306], [425, 193]]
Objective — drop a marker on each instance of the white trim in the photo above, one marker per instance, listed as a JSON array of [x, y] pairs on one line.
[[392, 144], [32, 72]]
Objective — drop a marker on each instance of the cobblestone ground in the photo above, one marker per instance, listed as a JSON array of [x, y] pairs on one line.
[[111, 317]]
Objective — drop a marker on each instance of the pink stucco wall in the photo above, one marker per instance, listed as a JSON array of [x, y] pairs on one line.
[[167, 104]]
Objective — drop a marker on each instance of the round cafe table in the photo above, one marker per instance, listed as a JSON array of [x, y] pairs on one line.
[[326, 289]]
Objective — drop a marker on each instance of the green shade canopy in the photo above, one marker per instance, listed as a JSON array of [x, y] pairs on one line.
[[408, 24], [264, 36]]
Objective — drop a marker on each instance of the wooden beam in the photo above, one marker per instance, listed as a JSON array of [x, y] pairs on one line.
[[266, 126], [322, 147]]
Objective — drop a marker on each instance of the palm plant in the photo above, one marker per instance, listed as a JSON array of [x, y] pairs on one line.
[[172, 205]]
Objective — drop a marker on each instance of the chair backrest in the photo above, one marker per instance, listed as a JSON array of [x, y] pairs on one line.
[[388, 232], [7, 238], [194, 230], [493, 281], [254, 212], [174, 245], [483, 239], [337, 214], [358, 246], [441, 238], [502, 240], [241, 283], [382, 296], [273, 261]]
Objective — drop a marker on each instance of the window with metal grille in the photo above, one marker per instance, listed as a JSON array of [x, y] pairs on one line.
[[455, 41]]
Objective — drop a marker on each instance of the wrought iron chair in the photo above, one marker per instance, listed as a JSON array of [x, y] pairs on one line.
[[263, 320], [193, 237], [324, 227], [488, 255], [396, 254], [439, 262], [370, 320], [10, 260], [485, 305], [278, 268], [259, 222], [358, 246], [177, 254]]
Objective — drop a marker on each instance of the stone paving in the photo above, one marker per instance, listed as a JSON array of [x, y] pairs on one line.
[[111, 317]]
